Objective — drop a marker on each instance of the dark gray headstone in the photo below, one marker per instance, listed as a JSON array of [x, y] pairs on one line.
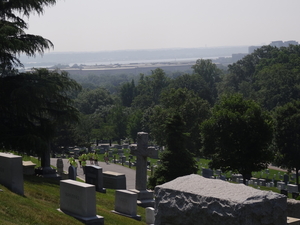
[[286, 178], [72, 173], [207, 173], [94, 175], [11, 172]]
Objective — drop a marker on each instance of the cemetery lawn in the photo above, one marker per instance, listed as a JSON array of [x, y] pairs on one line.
[[41, 201]]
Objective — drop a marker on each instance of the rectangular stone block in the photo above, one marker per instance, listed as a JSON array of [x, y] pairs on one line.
[[77, 198], [280, 185], [28, 168], [94, 176], [11, 172], [207, 173], [193, 199], [292, 188], [125, 202], [114, 180]]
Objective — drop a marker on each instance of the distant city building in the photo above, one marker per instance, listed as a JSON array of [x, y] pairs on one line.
[[238, 56], [279, 44], [251, 49], [287, 43]]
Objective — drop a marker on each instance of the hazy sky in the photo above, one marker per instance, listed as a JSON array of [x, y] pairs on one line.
[[100, 25]]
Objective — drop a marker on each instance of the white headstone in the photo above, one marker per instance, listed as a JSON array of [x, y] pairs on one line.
[[125, 204], [150, 217], [78, 199]]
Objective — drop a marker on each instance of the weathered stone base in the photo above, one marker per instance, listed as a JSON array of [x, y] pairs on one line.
[[94, 220], [47, 172], [137, 217], [194, 199], [145, 198]]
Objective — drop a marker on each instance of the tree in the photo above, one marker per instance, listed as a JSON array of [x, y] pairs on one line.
[[176, 160], [237, 137], [13, 39], [210, 73], [134, 124], [32, 106], [192, 109], [127, 93], [149, 89], [196, 83], [287, 136], [89, 101], [117, 118], [277, 85]]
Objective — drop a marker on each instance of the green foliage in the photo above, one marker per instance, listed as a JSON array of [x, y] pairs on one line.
[[287, 135], [237, 136], [176, 160], [192, 109], [127, 93], [149, 89], [91, 101], [13, 39], [32, 105], [210, 73], [196, 83]]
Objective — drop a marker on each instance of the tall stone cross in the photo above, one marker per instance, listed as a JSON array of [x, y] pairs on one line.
[[141, 151]]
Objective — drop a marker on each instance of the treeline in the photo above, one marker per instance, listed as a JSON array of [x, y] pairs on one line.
[[218, 109]]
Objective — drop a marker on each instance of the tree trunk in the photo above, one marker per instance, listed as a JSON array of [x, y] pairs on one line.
[[297, 178]]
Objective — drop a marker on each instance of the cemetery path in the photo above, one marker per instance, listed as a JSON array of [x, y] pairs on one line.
[[129, 173]]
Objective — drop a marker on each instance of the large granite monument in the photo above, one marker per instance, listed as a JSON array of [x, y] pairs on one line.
[[194, 199]]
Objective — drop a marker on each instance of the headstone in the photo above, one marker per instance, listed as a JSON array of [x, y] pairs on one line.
[[60, 166], [154, 153], [120, 152], [102, 150], [218, 172], [114, 180], [110, 153], [236, 177], [286, 178], [78, 199], [150, 217], [11, 172], [262, 182], [207, 173], [193, 199], [72, 173], [123, 159], [28, 167], [125, 204], [280, 185], [125, 146], [292, 188], [142, 151], [94, 175]]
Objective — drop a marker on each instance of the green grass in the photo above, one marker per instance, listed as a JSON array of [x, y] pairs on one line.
[[41, 201]]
